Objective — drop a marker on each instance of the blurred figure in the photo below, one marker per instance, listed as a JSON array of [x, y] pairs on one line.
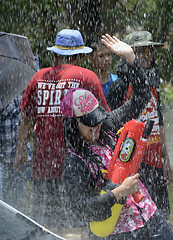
[[101, 61], [12, 183], [155, 171]]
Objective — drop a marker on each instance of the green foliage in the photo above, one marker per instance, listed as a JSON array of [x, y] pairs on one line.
[[40, 20]]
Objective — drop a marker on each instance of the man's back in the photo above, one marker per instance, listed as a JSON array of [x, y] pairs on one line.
[[41, 103]]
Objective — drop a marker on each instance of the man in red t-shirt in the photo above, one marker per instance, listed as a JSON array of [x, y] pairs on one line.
[[41, 106]]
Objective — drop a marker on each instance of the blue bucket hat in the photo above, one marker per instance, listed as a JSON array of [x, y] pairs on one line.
[[69, 42]]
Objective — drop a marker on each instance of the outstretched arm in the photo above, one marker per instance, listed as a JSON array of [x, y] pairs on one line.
[[141, 93], [132, 108], [118, 47]]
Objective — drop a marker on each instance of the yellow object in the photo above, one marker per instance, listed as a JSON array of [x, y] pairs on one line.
[[120, 130], [104, 171], [67, 48], [106, 227]]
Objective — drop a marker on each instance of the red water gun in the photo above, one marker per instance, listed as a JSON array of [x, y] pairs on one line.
[[129, 152]]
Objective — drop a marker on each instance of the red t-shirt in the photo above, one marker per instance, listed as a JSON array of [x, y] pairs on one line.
[[153, 152], [41, 102]]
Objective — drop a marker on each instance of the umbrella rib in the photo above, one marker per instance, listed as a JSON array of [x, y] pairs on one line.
[[17, 59]]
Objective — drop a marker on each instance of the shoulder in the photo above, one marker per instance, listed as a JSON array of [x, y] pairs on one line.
[[74, 165], [113, 77], [88, 71], [73, 160], [118, 84], [82, 70], [40, 75], [88, 79], [42, 72]]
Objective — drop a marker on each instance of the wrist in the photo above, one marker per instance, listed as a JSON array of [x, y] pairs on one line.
[[119, 192], [130, 58]]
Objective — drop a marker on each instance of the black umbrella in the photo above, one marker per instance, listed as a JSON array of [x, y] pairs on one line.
[[17, 66]]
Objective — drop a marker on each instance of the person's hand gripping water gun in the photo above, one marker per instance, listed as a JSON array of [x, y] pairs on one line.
[[125, 162]]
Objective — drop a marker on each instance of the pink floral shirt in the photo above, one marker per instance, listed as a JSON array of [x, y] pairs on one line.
[[130, 217]]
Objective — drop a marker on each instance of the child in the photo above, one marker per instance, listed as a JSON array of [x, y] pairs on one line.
[[101, 60], [90, 148]]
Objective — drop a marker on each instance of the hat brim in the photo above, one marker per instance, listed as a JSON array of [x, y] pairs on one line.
[[94, 118], [145, 44], [69, 51]]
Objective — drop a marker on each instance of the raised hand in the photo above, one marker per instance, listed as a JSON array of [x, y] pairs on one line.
[[118, 47]]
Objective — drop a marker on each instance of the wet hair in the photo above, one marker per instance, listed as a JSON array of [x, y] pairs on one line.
[[95, 43], [97, 46], [72, 58], [75, 142]]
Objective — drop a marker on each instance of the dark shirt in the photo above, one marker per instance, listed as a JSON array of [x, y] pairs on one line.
[[82, 196]]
